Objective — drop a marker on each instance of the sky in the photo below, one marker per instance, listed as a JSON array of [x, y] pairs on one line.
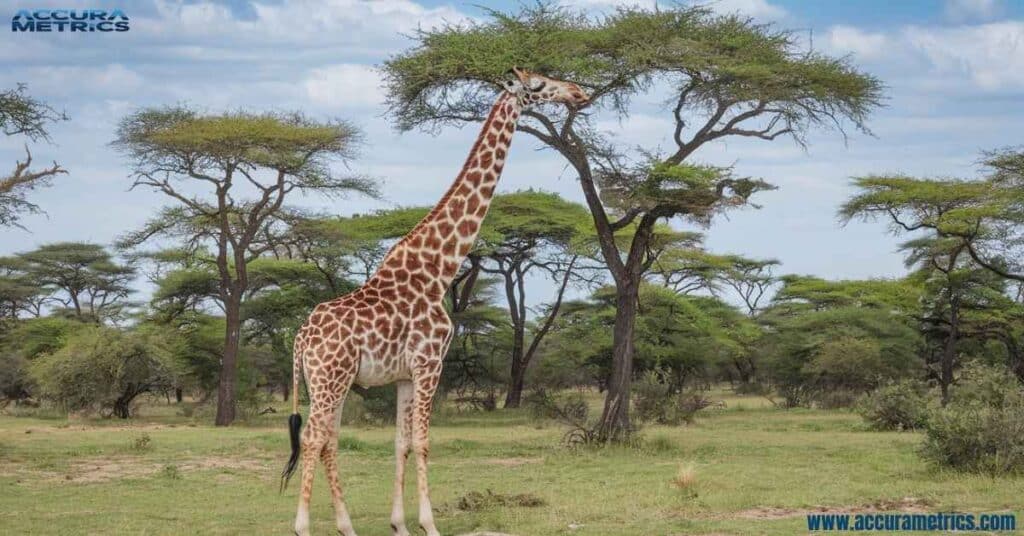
[[953, 71]]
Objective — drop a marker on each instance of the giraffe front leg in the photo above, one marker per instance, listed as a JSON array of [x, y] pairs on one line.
[[425, 383], [403, 437]]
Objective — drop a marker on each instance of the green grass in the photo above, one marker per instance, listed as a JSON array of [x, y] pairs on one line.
[[756, 469]]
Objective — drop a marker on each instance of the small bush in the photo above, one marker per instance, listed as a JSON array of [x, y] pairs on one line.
[[981, 429], [570, 410], [377, 406], [476, 501], [142, 443], [381, 404], [655, 402], [897, 406], [170, 472], [836, 398]]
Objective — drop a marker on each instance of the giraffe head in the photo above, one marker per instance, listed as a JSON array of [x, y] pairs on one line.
[[533, 87]]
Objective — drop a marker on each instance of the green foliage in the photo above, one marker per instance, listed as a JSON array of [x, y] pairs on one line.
[[897, 405], [35, 337], [529, 219], [374, 406], [832, 340], [805, 292], [695, 190], [84, 277], [981, 429], [728, 57], [24, 341], [290, 143], [685, 336], [101, 368], [656, 402], [847, 363]]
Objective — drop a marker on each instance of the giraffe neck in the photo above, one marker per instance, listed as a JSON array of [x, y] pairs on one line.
[[428, 257]]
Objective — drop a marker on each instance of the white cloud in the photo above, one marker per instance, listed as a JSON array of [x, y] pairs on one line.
[[111, 79], [851, 40], [357, 22], [989, 55], [759, 9], [961, 10], [345, 85]]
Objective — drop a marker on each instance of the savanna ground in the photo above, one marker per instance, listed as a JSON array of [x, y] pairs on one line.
[[747, 469]]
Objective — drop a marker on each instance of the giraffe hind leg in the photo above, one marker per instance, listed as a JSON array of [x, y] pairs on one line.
[[329, 457], [320, 441]]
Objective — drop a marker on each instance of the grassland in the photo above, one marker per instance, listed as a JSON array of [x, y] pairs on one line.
[[754, 469]]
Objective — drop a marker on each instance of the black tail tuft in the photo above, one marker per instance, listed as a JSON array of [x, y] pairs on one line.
[[294, 425]]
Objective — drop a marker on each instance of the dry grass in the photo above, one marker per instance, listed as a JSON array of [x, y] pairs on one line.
[[686, 479]]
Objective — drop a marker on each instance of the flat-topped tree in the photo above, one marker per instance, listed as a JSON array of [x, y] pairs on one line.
[[729, 77], [527, 233], [246, 164], [985, 216], [82, 278]]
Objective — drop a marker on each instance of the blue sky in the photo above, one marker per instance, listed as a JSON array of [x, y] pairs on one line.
[[954, 72]]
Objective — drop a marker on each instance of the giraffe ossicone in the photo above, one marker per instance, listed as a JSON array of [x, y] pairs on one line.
[[394, 328]]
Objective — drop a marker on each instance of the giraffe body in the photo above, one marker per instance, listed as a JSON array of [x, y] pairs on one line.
[[394, 329]]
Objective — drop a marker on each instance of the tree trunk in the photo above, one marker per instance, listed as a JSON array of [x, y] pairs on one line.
[[1016, 359], [514, 397], [178, 395], [229, 363], [614, 425], [949, 352], [518, 372], [122, 406]]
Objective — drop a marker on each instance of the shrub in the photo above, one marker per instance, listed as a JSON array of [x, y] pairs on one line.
[[570, 410], [142, 443], [104, 368], [655, 402], [981, 429], [15, 382], [899, 405], [380, 404]]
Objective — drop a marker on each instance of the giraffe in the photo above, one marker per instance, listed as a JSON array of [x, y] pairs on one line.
[[394, 329]]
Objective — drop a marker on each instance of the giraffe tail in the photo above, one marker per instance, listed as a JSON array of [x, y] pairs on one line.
[[294, 424]]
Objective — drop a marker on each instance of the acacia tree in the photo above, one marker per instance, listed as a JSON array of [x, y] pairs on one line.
[[528, 232], [248, 163], [82, 277], [23, 115], [728, 75], [826, 337], [20, 293]]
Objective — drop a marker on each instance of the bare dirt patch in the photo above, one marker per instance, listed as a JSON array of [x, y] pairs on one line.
[[96, 470], [767, 513]]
